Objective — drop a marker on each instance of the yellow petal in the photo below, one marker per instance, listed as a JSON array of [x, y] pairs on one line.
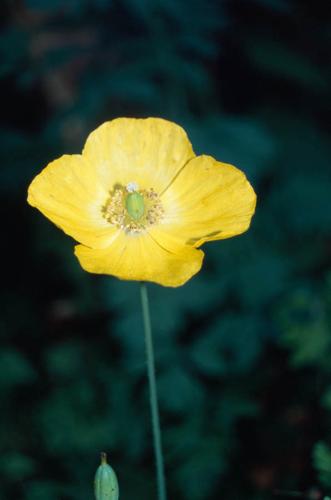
[[208, 200], [141, 257], [148, 152], [69, 194]]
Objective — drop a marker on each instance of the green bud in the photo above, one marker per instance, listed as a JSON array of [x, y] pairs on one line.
[[135, 205], [105, 482]]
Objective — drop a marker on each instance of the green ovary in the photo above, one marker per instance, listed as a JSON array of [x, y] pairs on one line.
[[135, 205]]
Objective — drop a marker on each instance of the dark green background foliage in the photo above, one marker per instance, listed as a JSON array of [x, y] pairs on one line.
[[244, 349]]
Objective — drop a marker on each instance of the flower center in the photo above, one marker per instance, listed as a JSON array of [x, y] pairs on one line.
[[132, 209]]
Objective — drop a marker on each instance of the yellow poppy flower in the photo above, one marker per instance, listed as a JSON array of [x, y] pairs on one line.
[[140, 202]]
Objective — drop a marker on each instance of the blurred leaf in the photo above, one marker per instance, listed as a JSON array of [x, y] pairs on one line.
[[218, 350], [245, 143], [234, 406], [15, 369], [39, 490], [203, 47], [322, 463], [188, 393], [203, 469], [304, 202], [68, 421], [308, 344], [169, 308], [281, 61], [20, 160], [16, 466], [12, 59], [199, 448], [129, 82], [326, 399], [261, 278], [65, 359], [304, 329]]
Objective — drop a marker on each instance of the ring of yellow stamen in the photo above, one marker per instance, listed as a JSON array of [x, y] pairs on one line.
[[131, 209]]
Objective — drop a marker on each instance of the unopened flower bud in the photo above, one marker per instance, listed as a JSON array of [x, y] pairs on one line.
[[105, 482]]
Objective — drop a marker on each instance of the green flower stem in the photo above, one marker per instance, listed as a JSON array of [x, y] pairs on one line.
[[162, 494]]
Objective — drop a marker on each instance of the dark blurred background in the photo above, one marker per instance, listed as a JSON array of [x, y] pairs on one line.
[[244, 349]]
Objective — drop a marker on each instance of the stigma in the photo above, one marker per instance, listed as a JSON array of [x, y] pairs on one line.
[[131, 187]]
